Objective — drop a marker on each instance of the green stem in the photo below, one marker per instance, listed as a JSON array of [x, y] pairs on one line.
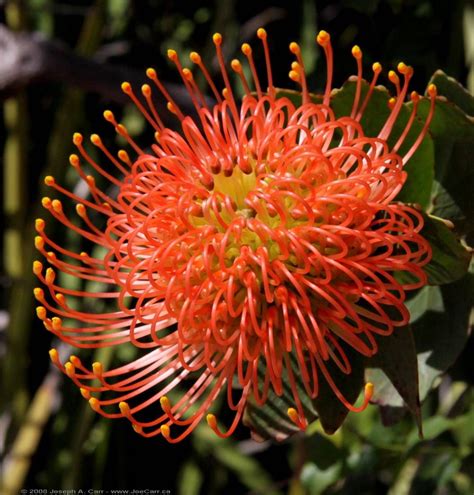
[[18, 461], [16, 206]]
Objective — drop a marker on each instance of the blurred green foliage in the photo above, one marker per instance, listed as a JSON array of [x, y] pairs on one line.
[[50, 436]]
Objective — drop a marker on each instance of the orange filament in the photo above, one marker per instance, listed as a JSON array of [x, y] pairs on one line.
[[247, 51], [262, 34], [357, 53], [300, 72], [324, 39]]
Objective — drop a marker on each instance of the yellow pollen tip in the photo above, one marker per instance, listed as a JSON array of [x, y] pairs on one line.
[[356, 52], [432, 90], [41, 313], [323, 38], [38, 292], [49, 180], [293, 75], [211, 421], [195, 57], [121, 129], [157, 136], [369, 390], [165, 430], [54, 356], [37, 267], [172, 55], [295, 65], [414, 96], [69, 368], [246, 49], [95, 139], [217, 38], [377, 67], [391, 102], [51, 255], [187, 74], [108, 116], [146, 90], [94, 403], [225, 93], [74, 160], [97, 368], [39, 224], [236, 65], [261, 33], [137, 428], [392, 75], [293, 414], [165, 403], [57, 205], [151, 73], [123, 155], [77, 138], [56, 323], [46, 202], [50, 276], [294, 48], [81, 210], [39, 242], [171, 107], [85, 393], [126, 87], [402, 68], [75, 360], [60, 298], [124, 408]]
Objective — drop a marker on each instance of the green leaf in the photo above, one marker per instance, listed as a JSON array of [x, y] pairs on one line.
[[450, 260], [452, 132], [453, 91], [315, 480], [441, 336], [331, 411], [429, 298], [225, 452], [394, 372], [190, 479], [271, 421], [296, 97]]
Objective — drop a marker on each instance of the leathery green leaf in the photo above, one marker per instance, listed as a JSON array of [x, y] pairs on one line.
[[394, 372]]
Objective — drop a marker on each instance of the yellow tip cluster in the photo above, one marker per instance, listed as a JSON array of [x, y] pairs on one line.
[[356, 52], [211, 421], [323, 38], [77, 138], [195, 57], [246, 49]]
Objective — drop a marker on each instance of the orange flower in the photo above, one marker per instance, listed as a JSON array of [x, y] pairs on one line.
[[261, 230]]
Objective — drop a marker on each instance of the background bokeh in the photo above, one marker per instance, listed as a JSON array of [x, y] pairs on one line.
[[61, 64]]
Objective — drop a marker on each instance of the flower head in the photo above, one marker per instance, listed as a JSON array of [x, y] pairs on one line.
[[261, 230]]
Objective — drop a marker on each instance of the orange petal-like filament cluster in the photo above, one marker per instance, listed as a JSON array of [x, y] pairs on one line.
[[262, 230]]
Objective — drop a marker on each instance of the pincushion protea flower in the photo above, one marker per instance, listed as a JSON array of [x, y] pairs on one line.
[[260, 230]]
